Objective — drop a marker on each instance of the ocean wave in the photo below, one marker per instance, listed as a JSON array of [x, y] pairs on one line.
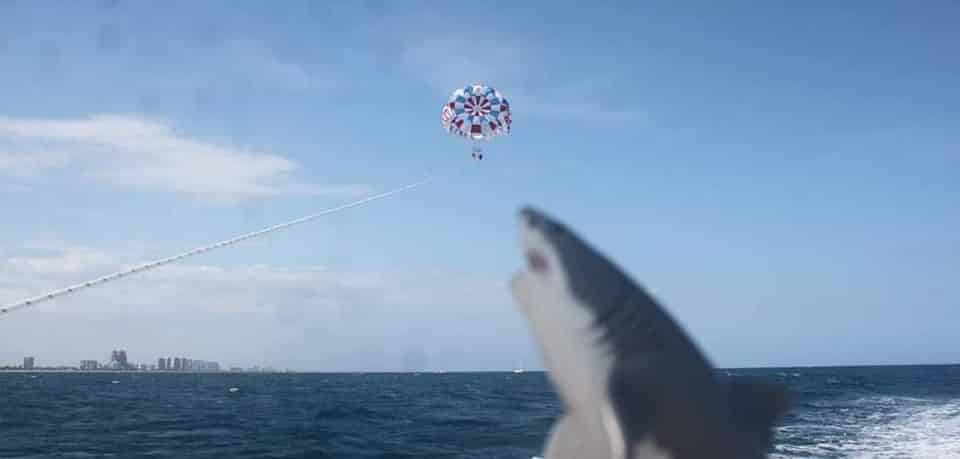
[[925, 430], [876, 427]]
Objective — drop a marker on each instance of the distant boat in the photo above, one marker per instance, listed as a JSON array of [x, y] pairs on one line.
[[519, 368]]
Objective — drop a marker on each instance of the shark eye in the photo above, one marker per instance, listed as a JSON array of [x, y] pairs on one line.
[[537, 261]]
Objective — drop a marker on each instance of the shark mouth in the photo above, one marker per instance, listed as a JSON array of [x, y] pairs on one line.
[[537, 262]]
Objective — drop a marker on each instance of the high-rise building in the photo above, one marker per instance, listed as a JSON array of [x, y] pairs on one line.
[[168, 366], [118, 359], [88, 365], [161, 364], [177, 364], [28, 363]]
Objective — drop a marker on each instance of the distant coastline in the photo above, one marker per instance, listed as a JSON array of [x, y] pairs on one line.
[[249, 372], [74, 370], [68, 370]]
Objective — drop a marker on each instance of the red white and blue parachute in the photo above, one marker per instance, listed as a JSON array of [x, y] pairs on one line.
[[476, 112]]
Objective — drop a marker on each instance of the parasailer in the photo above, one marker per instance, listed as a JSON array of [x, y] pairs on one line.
[[476, 112]]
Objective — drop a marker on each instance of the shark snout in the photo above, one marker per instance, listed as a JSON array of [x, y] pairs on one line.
[[532, 225], [535, 228], [533, 218]]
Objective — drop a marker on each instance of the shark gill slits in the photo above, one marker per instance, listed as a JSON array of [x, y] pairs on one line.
[[537, 262]]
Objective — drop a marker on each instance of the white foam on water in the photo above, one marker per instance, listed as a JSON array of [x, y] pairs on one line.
[[924, 430], [879, 427]]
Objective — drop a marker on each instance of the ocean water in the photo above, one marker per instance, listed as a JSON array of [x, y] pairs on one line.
[[838, 412]]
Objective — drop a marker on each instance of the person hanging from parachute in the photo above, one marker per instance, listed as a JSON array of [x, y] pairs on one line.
[[477, 112]]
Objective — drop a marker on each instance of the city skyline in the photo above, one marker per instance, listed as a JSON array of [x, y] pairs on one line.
[[119, 361]]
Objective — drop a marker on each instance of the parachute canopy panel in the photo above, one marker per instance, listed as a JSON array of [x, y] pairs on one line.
[[477, 112]]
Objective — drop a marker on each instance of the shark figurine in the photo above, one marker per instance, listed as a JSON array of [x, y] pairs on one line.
[[632, 383]]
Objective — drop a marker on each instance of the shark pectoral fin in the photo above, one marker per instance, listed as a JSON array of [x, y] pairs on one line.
[[755, 406], [572, 439]]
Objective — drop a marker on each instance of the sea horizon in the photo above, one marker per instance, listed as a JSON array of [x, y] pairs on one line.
[[510, 370]]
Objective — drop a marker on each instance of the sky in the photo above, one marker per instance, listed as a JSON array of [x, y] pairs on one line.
[[783, 177]]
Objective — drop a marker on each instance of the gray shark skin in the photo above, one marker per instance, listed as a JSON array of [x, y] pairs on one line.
[[632, 383]]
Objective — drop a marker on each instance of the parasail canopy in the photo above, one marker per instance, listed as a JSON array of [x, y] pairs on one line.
[[477, 112]]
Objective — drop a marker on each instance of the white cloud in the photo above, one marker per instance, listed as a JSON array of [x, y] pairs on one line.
[[307, 318], [145, 154], [20, 164]]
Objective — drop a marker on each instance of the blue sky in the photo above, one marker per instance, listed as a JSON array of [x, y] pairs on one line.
[[785, 177]]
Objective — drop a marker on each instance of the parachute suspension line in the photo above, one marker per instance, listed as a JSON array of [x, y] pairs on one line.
[[157, 263]]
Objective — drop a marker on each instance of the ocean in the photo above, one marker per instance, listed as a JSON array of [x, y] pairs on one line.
[[909, 411]]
